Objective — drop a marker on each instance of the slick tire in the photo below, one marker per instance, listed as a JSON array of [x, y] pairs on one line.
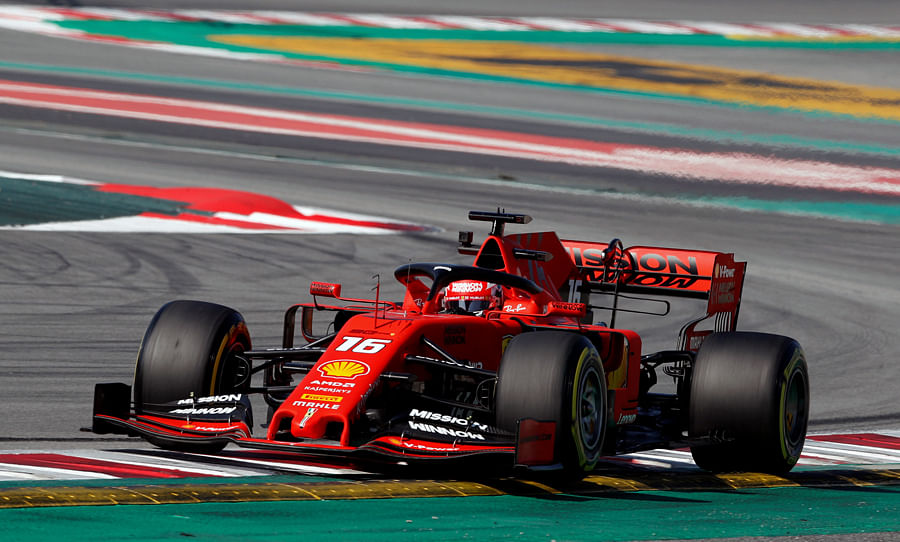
[[749, 392], [556, 376], [190, 347]]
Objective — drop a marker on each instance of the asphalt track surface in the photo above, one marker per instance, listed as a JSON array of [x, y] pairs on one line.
[[75, 305]]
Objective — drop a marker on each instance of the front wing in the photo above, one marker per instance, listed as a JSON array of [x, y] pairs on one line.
[[207, 424], [401, 445]]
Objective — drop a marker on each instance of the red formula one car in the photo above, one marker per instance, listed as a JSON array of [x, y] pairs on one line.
[[497, 360]]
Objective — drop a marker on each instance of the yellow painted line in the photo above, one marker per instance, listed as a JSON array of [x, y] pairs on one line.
[[297, 490], [618, 484], [187, 493], [755, 480], [551, 64], [35, 497]]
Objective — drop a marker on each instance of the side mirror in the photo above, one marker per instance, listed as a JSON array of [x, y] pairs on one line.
[[561, 308]]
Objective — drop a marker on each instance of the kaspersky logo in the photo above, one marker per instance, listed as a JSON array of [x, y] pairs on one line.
[[343, 368]]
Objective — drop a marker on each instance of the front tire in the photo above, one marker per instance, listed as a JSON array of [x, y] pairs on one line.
[[750, 395], [556, 376], [190, 348]]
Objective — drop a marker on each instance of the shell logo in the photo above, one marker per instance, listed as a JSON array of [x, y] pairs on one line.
[[343, 368]]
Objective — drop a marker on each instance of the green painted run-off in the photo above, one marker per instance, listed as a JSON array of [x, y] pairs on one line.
[[616, 516], [25, 201], [195, 32]]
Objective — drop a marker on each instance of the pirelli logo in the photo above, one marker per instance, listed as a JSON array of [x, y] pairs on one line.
[[324, 398]]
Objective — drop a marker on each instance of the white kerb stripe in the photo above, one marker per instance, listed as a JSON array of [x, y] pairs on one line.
[[298, 18], [50, 473], [388, 21], [645, 27], [477, 23], [800, 30], [873, 30], [34, 14], [552, 23]]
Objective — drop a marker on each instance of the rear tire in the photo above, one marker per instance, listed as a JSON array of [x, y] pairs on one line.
[[556, 376], [749, 392], [191, 347]]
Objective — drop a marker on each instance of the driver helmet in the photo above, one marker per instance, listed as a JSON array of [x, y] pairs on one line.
[[472, 296]]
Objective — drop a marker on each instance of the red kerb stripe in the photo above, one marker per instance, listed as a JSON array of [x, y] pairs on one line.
[[121, 470], [872, 440]]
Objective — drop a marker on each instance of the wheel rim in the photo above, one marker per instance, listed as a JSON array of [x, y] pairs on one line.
[[795, 409], [591, 409], [235, 370]]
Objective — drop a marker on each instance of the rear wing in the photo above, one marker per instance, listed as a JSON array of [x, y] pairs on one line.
[[713, 276]]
